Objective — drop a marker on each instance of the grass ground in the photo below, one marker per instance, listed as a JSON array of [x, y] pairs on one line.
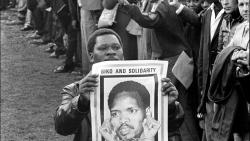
[[30, 91]]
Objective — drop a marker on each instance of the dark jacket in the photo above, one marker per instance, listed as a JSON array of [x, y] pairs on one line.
[[74, 10], [245, 81], [69, 118], [122, 19], [4, 4], [32, 4], [61, 9], [168, 27], [207, 52], [230, 108]]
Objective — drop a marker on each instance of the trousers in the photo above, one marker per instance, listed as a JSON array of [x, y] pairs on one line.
[[89, 19]]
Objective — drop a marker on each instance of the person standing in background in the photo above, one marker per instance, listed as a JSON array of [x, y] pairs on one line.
[[209, 22], [229, 23], [90, 11]]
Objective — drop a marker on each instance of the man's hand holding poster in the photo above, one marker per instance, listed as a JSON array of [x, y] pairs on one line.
[[128, 103]]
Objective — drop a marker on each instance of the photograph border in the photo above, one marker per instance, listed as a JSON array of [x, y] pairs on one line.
[[102, 94]]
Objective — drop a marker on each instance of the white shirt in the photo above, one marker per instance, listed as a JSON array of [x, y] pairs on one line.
[[214, 21]]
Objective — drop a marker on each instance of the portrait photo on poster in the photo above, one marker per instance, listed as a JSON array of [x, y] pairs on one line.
[[128, 104]]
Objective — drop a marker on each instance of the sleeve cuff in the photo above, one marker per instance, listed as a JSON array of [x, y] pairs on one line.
[[48, 9], [75, 104], [79, 3], [178, 11]]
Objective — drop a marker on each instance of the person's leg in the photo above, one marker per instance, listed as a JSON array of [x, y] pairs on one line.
[[38, 20], [72, 46], [142, 46], [68, 65], [28, 18], [78, 56], [58, 37], [189, 129], [21, 5], [27, 24], [85, 57], [3, 4], [60, 49], [22, 8], [47, 28], [88, 25]]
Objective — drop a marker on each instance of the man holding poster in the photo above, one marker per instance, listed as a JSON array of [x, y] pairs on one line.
[[73, 115]]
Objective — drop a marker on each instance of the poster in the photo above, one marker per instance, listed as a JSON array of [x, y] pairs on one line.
[[122, 84]]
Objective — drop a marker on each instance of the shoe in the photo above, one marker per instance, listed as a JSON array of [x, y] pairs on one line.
[[50, 48], [13, 22], [26, 28], [34, 36], [62, 69], [38, 42], [53, 55]]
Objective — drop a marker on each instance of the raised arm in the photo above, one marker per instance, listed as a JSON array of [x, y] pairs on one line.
[[187, 14], [145, 20], [190, 16]]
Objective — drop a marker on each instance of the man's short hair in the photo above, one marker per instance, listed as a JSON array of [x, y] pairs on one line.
[[141, 94], [99, 32]]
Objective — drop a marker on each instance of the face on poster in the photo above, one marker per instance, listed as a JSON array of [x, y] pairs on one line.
[[126, 100], [123, 101]]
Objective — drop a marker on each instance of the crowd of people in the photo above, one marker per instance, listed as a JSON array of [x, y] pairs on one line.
[[206, 43]]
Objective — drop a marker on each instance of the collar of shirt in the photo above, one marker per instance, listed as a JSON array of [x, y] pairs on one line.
[[246, 28], [214, 20]]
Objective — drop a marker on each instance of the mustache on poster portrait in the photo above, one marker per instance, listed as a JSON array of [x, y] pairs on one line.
[[125, 124]]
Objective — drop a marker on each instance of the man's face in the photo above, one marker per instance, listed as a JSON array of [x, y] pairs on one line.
[[244, 8], [205, 5], [107, 48], [192, 4], [126, 117], [229, 5]]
